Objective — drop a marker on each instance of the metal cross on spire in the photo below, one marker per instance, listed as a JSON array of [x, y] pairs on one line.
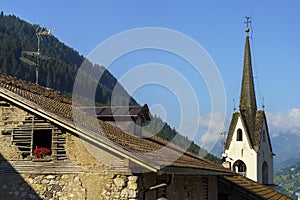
[[247, 22]]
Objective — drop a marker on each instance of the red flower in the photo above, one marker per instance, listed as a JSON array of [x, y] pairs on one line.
[[41, 152]]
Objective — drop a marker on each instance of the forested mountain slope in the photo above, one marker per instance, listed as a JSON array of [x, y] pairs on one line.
[[57, 72], [288, 180]]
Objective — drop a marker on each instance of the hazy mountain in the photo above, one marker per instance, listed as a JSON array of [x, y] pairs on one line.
[[286, 148]]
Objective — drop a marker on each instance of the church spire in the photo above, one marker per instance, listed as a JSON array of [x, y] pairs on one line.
[[248, 100], [249, 126], [248, 105]]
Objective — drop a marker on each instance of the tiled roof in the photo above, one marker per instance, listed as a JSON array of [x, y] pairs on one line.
[[248, 105], [253, 187], [60, 107]]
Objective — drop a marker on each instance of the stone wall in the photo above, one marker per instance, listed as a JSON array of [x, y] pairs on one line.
[[33, 186], [68, 186], [95, 181], [99, 180], [10, 116], [121, 187], [78, 153], [7, 150]]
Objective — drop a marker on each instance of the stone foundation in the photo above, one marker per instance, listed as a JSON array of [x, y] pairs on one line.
[[121, 187], [68, 186], [60, 187]]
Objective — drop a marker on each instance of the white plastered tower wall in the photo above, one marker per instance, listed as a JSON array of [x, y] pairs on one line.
[[241, 150], [265, 155]]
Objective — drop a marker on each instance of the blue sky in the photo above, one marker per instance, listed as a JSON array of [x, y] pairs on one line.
[[216, 25]]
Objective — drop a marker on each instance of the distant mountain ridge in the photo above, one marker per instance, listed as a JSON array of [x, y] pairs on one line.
[[60, 71]]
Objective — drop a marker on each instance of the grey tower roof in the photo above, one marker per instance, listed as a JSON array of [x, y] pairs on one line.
[[248, 105]]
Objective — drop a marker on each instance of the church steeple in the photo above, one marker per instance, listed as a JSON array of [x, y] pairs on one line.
[[247, 98], [248, 105], [248, 148]]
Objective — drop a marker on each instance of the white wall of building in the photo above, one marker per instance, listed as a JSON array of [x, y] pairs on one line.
[[241, 150], [265, 155]]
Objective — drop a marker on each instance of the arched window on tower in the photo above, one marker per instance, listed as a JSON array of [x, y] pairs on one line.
[[265, 173], [239, 135], [240, 167]]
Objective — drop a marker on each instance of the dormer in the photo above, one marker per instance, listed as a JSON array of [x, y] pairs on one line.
[[128, 118]]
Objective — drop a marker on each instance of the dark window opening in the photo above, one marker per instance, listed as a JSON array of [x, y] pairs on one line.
[[265, 173], [240, 167], [42, 139], [239, 136]]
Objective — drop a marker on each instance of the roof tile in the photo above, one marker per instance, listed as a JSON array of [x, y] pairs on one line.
[[254, 187]]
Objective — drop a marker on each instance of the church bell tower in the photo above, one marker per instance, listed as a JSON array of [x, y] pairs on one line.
[[248, 150]]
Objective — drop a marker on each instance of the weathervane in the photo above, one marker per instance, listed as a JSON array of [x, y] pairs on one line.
[[247, 22], [37, 54]]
